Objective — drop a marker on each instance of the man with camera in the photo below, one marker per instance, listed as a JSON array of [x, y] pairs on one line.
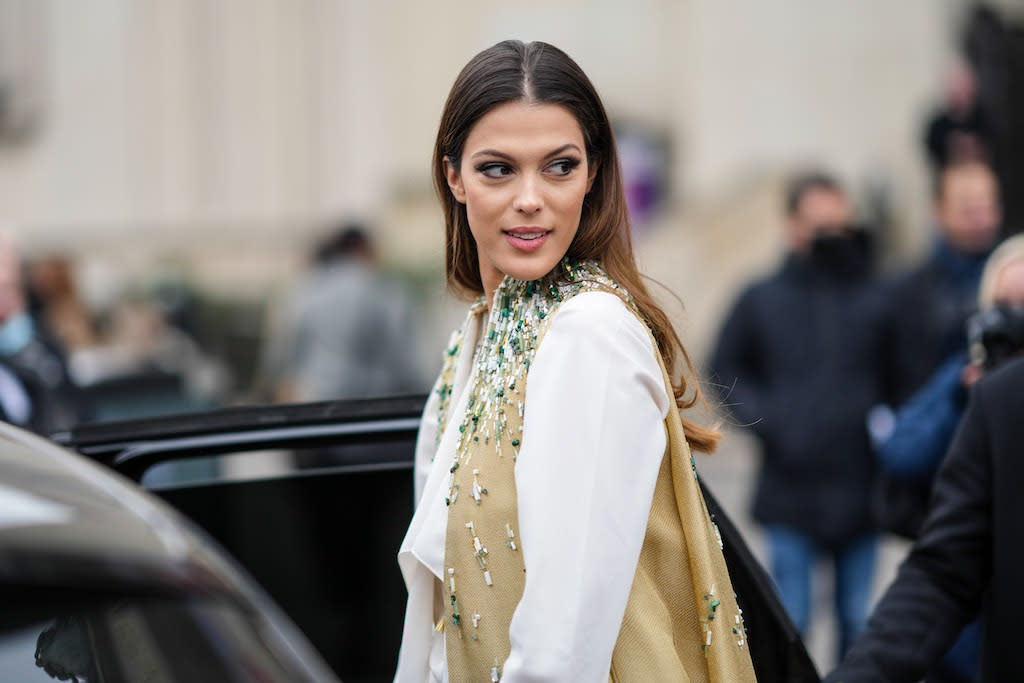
[[925, 346], [925, 424]]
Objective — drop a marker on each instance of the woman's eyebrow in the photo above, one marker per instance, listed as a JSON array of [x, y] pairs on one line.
[[491, 153], [563, 148], [503, 155]]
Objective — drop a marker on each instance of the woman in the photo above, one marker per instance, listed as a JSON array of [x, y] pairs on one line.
[[559, 534]]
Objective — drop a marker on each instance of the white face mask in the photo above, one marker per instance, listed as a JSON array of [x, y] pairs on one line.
[[15, 334]]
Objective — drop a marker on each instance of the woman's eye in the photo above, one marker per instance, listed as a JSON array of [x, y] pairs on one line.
[[494, 170], [563, 167]]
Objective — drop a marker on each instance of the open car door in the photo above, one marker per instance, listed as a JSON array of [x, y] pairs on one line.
[[322, 530]]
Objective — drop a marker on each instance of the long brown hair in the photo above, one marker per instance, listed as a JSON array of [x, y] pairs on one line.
[[538, 72]]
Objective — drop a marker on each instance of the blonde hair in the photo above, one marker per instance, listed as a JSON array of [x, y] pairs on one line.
[[1010, 251]]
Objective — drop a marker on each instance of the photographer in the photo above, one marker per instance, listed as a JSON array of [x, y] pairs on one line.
[[924, 428], [925, 424]]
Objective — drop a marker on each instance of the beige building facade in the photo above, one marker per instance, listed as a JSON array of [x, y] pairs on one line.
[[224, 134]]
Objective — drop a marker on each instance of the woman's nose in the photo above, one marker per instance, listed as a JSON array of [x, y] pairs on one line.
[[528, 199]]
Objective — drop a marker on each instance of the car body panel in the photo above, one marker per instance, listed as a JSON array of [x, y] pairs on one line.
[[90, 564]]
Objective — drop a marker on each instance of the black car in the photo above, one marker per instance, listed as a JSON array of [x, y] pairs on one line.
[[101, 581], [321, 534]]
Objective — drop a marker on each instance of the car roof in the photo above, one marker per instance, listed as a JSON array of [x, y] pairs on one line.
[[71, 530], [67, 521]]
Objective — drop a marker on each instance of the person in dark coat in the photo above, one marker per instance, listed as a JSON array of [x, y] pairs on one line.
[[797, 362], [928, 305], [927, 309], [961, 129], [968, 555]]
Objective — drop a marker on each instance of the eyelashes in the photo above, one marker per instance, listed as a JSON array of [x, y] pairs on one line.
[[494, 170], [559, 168], [565, 166]]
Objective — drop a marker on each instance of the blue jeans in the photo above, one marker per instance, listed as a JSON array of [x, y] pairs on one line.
[[793, 554]]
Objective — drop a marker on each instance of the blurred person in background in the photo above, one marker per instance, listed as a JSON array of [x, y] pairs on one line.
[[35, 390], [797, 362], [929, 303], [55, 304], [925, 425], [967, 557], [146, 361], [927, 308], [960, 130], [343, 329]]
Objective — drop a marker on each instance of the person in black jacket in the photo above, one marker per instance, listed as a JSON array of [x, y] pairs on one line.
[[926, 311], [969, 552], [929, 303], [797, 362]]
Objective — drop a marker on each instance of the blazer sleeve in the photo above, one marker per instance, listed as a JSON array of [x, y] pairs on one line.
[[939, 587], [593, 442]]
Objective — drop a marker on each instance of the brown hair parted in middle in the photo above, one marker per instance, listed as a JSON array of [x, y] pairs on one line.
[[538, 72]]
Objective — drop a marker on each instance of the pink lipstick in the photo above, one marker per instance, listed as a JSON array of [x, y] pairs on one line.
[[527, 237]]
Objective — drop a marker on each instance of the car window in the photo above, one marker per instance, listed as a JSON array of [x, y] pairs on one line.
[[258, 464], [156, 640]]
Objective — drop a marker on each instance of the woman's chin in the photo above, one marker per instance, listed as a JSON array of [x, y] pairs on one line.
[[529, 274]]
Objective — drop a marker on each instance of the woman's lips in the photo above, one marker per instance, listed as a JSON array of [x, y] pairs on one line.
[[527, 239]]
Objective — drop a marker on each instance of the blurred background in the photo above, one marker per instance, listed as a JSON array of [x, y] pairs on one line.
[[193, 153], [178, 176]]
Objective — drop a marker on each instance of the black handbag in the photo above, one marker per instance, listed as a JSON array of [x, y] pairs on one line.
[[776, 648]]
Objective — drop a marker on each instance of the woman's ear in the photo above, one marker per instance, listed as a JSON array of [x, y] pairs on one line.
[[454, 181], [592, 173]]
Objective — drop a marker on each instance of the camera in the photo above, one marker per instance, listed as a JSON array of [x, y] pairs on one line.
[[995, 334]]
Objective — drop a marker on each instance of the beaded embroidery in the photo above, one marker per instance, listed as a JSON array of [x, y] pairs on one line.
[[520, 315], [481, 537], [446, 380], [490, 434]]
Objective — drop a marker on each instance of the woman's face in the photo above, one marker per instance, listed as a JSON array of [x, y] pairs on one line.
[[523, 177]]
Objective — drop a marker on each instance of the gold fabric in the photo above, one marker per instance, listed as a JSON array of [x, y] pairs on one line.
[[681, 621], [484, 561]]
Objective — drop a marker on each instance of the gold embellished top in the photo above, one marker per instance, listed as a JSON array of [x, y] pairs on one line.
[[547, 541]]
